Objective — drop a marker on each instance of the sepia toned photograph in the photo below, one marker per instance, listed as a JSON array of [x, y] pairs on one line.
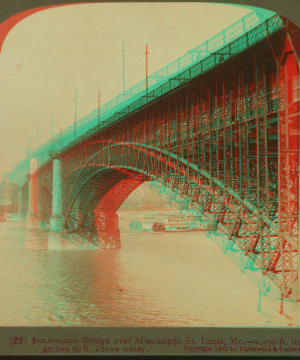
[[149, 178]]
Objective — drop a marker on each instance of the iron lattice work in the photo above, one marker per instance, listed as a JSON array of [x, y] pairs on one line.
[[221, 207], [220, 142]]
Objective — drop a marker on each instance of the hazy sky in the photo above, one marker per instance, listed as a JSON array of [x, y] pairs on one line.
[[51, 53]]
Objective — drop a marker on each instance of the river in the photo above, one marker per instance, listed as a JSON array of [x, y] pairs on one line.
[[155, 279]]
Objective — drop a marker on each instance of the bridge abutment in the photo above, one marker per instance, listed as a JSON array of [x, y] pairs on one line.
[[7, 197], [21, 204], [56, 218], [32, 219]]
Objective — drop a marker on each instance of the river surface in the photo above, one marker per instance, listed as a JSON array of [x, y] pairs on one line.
[[155, 279]]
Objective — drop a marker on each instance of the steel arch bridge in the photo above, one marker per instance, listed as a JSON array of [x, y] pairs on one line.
[[222, 135], [222, 208]]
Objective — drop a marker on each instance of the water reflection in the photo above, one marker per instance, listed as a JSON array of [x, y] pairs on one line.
[[167, 279], [36, 239]]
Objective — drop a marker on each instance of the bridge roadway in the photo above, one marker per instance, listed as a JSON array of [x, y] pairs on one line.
[[222, 136]]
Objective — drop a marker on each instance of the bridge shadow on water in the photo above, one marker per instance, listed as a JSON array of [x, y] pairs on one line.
[[155, 279]]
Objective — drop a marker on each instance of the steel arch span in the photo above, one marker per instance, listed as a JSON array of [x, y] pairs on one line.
[[98, 188]]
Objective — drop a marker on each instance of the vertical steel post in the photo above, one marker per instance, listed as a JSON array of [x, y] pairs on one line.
[[170, 116], [181, 127], [234, 125], [99, 110], [146, 53], [123, 51], [52, 131], [247, 148], [201, 136], [224, 137], [194, 125], [239, 132], [210, 137], [75, 120], [231, 138], [266, 152], [217, 128], [187, 128], [258, 163]]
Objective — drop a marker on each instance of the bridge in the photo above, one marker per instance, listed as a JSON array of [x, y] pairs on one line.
[[218, 127]]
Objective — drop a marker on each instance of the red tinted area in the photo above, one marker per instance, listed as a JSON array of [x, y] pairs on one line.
[[8, 24]]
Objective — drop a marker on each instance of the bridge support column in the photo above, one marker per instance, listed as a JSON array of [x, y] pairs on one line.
[[26, 200], [7, 196], [107, 225], [32, 219], [21, 204], [56, 218]]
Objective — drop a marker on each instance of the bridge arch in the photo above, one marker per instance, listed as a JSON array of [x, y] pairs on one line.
[[98, 197], [223, 209], [147, 162]]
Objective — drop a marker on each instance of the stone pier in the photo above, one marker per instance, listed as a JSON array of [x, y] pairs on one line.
[[32, 219], [7, 195], [21, 204], [56, 218]]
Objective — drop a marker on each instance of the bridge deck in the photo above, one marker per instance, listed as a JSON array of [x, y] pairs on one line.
[[232, 41]]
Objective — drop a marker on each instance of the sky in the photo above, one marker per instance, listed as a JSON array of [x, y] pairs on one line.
[[51, 53]]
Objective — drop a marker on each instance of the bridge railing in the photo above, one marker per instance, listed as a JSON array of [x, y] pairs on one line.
[[236, 30], [239, 45], [244, 33]]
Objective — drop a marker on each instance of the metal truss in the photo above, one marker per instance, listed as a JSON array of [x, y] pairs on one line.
[[222, 144], [186, 180]]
